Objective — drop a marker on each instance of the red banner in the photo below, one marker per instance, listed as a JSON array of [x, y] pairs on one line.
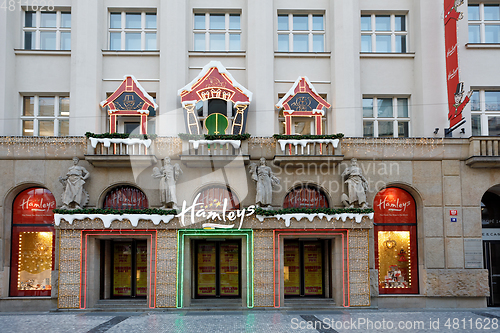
[[393, 205]]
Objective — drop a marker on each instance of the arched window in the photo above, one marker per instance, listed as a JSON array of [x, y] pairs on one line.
[[213, 198], [306, 196], [125, 197], [32, 243], [396, 241]]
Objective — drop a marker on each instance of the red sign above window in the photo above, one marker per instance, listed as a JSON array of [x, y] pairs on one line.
[[125, 197], [34, 206], [394, 205]]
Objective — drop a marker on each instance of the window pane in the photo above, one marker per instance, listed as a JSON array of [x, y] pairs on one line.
[[65, 40], [63, 127], [30, 19], [132, 41], [385, 107], [48, 20], [115, 41], [403, 107], [383, 43], [46, 128], [133, 20], [300, 43], [29, 40], [66, 20], [403, 129], [492, 100], [385, 129], [282, 22], [492, 33], [151, 41], [401, 44], [217, 42], [234, 21], [368, 128], [199, 42], [283, 43], [400, 23], [474, 34], [64, 106], [35, 261], [366, 43], [48, 40], [199, 21], [318, 43], [473, 12], [383, 23], [115, 20], [476, 124], [150, 21], [318, 22], [29, 106], [474, 101], [300, 22], [493, 126], [28, 128], [366, 23], [46, 106], [367, 108], [217, 21], [234, 42], [491, 12]]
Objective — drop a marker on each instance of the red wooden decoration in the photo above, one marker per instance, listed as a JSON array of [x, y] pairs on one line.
[[126, 197], [305, 197], [213, 198]]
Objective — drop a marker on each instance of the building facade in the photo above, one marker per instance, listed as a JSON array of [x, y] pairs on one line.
[[324, 179]]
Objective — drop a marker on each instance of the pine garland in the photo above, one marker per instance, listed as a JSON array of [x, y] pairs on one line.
[[326, 211], [186, 137], [308, 137], [104, 211], [120, 136]]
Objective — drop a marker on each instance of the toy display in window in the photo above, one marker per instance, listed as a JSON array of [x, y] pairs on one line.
[[394, 278]]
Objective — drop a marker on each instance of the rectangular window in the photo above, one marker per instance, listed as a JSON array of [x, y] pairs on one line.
[[47, 30], [485, 112], [384, 33], [217, 32], [45, 116], [484, 23], [301, 33], [386, 117], [132, 31]]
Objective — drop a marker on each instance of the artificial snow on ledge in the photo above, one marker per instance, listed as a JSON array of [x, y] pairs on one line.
[[310, 217], [107, 142], [304, 142], [108, 218], [196, 143]]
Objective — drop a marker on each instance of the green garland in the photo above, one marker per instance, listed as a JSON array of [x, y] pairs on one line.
[[104, 211], [326, 211], [120, 136], [187, 137], [308, 137]]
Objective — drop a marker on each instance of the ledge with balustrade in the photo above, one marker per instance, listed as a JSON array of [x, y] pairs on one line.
[[484, 152]]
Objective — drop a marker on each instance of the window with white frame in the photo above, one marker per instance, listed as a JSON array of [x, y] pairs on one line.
[[484, 23], [386, 117], [45, 116], [301, 33], [485, 112], [47, 30], [132, 31], [384, 33], [217, 32]]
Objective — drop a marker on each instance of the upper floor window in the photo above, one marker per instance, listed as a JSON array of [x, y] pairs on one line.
[[384, 33], [301, 33], [132, 31], [485, 112], [217, 32], [484, 23], [125, 197], [386, 117], [47, 30], [45, 116]]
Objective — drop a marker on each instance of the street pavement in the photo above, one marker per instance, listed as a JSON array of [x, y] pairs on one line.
[[338, 320]]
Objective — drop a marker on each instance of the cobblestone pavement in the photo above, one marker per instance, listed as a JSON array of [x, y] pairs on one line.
[[428, 320]]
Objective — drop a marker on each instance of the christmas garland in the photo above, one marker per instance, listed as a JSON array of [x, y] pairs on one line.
[[103, 211], [187, 137], [308, 137], [120, 136], [326, 211]]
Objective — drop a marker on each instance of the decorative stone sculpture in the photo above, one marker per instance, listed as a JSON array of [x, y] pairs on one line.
[[74, 195], [357, 185], [168, 176], [265, 179]]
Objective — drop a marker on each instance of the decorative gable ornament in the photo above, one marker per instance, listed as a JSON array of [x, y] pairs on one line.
[[215, 82], [302, 100], [129, 99]]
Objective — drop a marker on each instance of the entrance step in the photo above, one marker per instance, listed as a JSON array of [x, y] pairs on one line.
[[121, 305], [309, 303], [216, 304]]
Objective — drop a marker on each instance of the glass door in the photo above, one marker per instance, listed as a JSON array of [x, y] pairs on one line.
[[130, 267], [303, 268], [492, 262]]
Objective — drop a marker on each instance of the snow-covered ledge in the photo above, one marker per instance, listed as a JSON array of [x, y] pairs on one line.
[[107, 142], [299, 216], [196, 143], [108, 218], [305, 142]]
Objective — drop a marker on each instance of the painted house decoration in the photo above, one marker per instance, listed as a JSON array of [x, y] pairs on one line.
[[303, 108], [214, 102], [129, 99]]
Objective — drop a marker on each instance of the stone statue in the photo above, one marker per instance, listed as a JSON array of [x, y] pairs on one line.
[[265, 179], [74, 195], [168, 176], [357, 185]]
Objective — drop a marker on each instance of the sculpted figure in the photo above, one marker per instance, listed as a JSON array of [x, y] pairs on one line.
[[265, 179], [74, 195], [168, 176], [357, 185]]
